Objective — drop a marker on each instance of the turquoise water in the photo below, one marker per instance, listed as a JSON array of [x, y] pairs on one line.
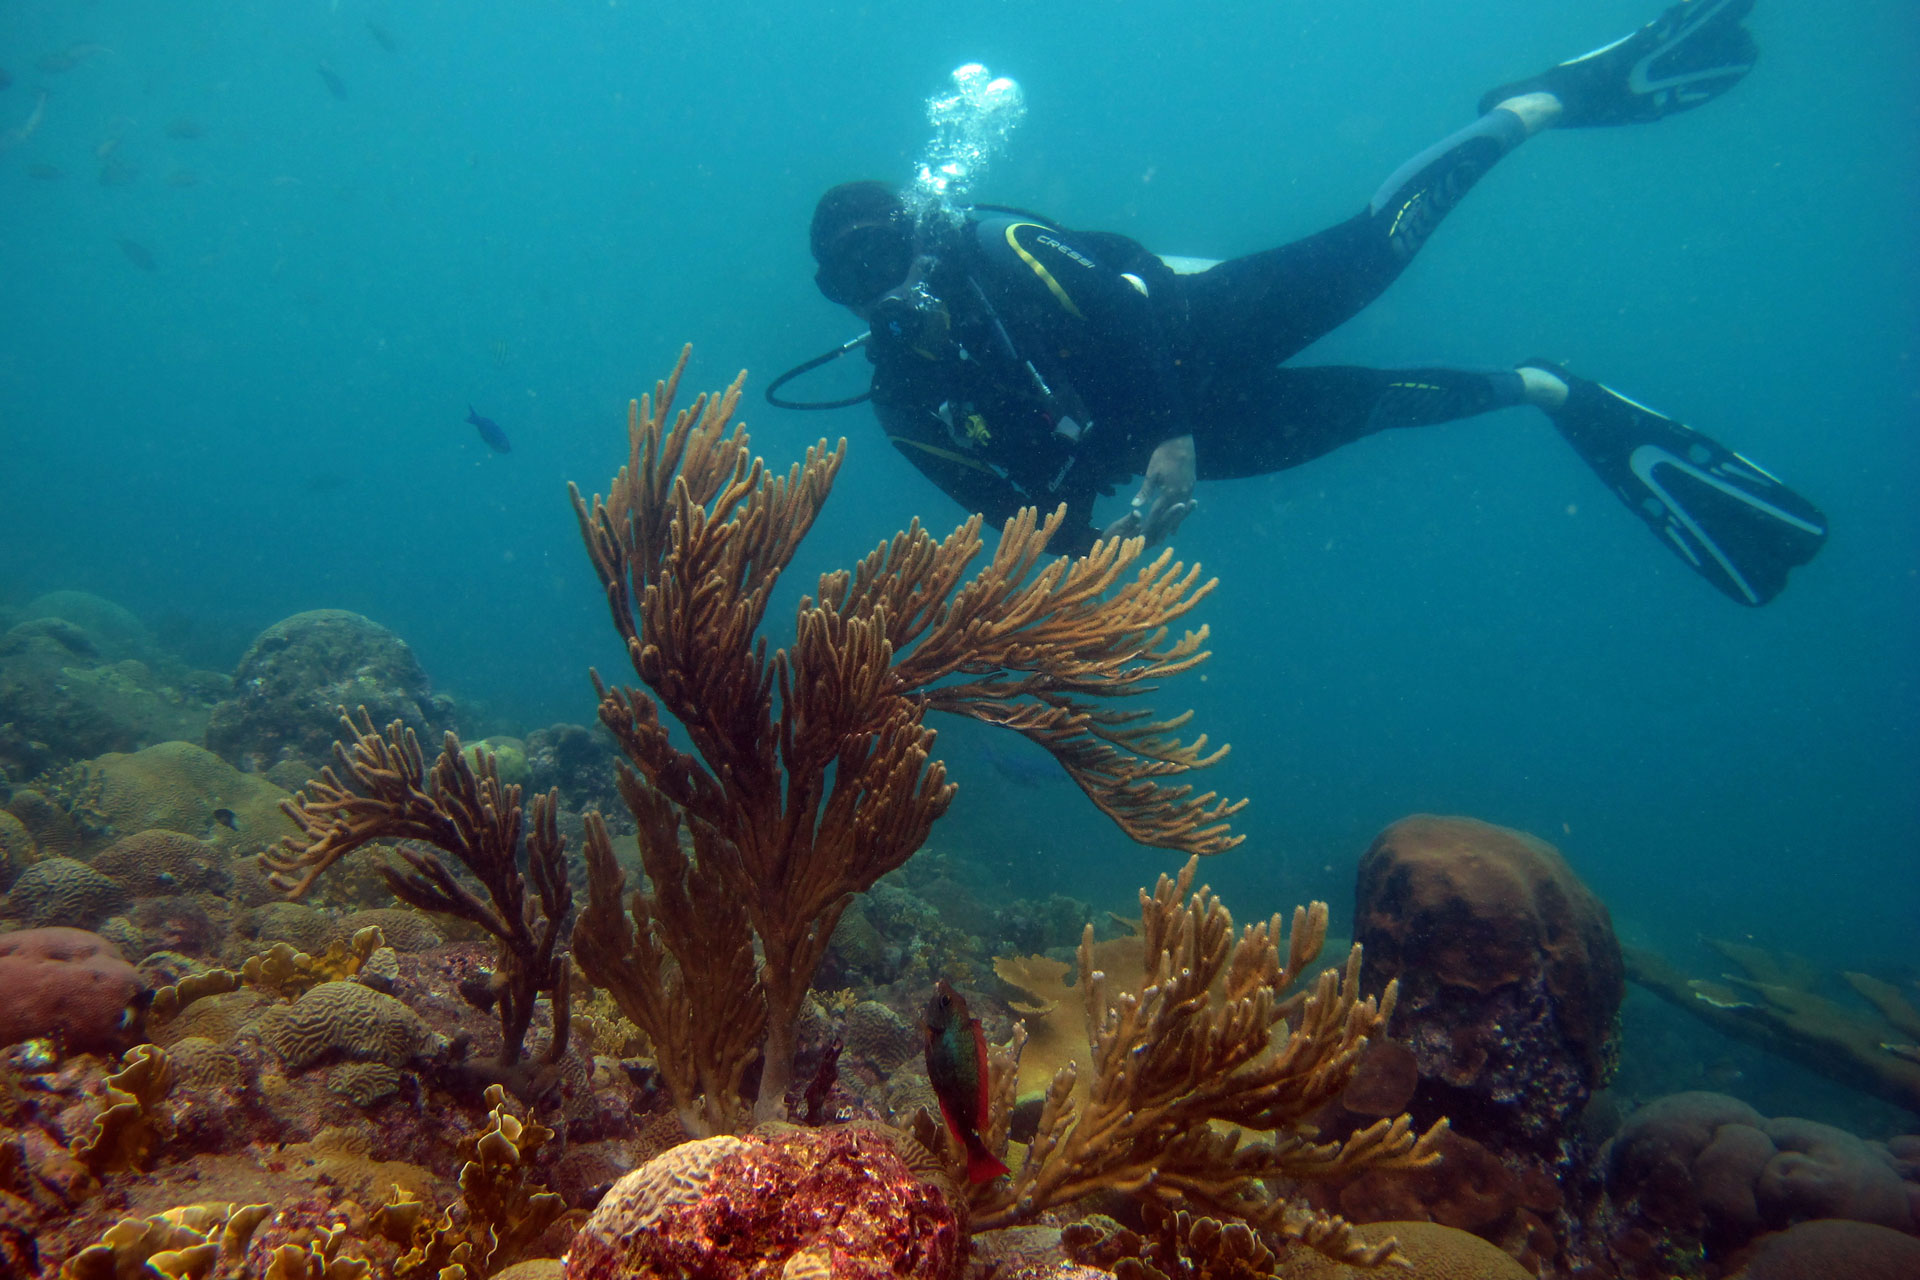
[[529, 207]]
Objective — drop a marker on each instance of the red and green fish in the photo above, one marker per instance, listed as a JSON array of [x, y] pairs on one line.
[[957, 1066]]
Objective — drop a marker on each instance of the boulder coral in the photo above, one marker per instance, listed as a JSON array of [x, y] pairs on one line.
[[1824, 1249], [1707, 1168], [178, 786], [111, 627], [156, 862], [1432, 1252], [1510, 975], [68, 985]]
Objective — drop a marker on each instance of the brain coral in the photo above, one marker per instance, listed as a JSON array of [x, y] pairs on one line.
[[350, 1020], [16, 848], [64, 983], [51, 828], [365, 1083], [218, 1018], [730, 1208], [158, 861], [879, 1036], [199, 1063], [404, 930], [291, 922], [1435, 1252], [61, 891], [177, 785]]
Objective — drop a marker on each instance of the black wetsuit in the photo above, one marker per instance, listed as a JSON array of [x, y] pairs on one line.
[[1067, 356]]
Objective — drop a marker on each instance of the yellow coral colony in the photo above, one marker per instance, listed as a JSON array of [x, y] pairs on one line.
[[1207, 1052]]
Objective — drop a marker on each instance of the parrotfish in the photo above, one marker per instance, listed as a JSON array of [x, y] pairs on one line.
[[957, 1067], [490, 431], [335, 85]]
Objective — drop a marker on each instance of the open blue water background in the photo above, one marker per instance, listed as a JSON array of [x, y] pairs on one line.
[[529, 207]]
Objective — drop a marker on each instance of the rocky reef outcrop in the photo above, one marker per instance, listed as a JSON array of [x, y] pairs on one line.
[[298, 673], [78, 676]]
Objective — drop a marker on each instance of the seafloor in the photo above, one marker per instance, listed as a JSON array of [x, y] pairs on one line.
[[205, 1076]]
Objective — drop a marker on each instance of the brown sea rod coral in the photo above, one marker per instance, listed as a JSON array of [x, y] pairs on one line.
[[380, 788], [811, 772]]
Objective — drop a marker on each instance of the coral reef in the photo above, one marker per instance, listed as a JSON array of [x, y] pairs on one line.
[[293, 679], [218, 1083]]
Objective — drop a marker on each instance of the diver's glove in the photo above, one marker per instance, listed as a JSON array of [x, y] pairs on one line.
[[1165, 497], [1689, 55]]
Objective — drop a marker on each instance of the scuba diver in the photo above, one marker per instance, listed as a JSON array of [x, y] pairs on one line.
[[1016, 362]]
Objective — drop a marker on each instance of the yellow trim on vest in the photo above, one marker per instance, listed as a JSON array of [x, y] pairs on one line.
[[1045, 275], [947, 454]]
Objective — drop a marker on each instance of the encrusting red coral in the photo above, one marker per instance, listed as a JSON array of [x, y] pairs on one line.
[[67, 984], [781, 1200]]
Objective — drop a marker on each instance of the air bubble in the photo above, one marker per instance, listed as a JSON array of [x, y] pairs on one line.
[[971, 126]]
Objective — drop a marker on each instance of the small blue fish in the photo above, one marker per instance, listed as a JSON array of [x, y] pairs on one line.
[[490, 432]]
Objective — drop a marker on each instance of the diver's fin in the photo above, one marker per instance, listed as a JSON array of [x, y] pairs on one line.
[[1726, 518], [1691, 54]]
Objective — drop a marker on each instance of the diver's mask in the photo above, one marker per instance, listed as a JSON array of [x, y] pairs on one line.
[[866, 260]]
